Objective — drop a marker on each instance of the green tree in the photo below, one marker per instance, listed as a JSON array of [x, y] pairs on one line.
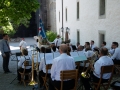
[[16, 12], [51, 35]]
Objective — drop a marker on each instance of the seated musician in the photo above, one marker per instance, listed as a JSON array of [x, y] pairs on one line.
[[42, 69], [63, 62], [80, 48], [104, 60], [87, 44], [24, 58], [116, 53]]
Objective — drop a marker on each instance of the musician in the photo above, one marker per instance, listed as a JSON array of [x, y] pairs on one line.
[[116, 53], [23, 45], [63, 62], [24, 58], [104, 60], [87, 44], [57, 41], [92, 45], [80, 48], [42, 69], [103, 44]]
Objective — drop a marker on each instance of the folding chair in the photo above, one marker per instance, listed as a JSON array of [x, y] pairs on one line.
[[68, 74], [23, 74], [104, 69], [48, 66]]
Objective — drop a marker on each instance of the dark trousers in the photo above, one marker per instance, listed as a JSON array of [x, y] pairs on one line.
[[21, 70], [6, 61], [42, 74], [93, 78], [67, 85], [117, 62], [57, 47]]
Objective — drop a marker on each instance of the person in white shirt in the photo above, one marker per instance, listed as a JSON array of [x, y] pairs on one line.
[[24, 58], [63, 62], [23, 45], [87, 45], [42, 69], [92, 45], [57, 41], [104, 60], [80, 48], [116, 53], [103, 44]]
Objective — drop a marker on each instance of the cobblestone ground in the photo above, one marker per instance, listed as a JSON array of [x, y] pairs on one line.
[[6, 79]]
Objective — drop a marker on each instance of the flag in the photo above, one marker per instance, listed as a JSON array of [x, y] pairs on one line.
[[41, 30]]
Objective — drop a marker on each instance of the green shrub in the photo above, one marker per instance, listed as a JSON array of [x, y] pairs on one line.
[[51, 35]]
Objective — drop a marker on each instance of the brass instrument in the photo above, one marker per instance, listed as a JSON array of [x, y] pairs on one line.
[[32, 82], [91, 62]]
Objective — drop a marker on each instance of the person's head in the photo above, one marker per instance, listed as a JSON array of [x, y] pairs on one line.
[[58, 36], [92, 42], [103, 43], [25, 52], [103, 51], [87, 44], [87, 48], [43, 49], [80, 48], [54, 48], [68, 51], [36, 40], [63, 48], [115, 45], [5, 36]]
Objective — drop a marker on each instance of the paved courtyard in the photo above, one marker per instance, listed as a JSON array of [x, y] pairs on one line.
[[6, 79]]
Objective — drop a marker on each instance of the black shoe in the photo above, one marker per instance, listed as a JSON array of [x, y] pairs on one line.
[[5, 72]]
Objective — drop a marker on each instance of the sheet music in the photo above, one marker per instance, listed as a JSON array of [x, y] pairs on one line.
[[74, 54], [56, 54], [49, 58], [81, 53]]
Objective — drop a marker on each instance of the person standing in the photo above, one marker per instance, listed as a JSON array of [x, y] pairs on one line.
[[57, 41], [5, 50]]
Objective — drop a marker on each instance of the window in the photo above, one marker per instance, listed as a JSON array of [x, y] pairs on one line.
[[59, 16], [77, 10], [102, 7], [66, 14]]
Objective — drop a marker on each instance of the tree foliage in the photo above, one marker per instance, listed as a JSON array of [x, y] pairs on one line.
[[51, 35], [16, 12]]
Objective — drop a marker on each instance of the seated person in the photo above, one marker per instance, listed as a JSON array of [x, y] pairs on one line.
[[63, 62], [42, 69], [80, 48], [68, 51], [24, 58], [104, 60], [116, 53], [23, 45]]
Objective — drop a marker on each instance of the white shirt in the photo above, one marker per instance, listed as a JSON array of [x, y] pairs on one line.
[[116, 54], [23, 44], [42, 66], [103, 61], [21, 62], [92, 46], [111, 51], [57, 41], [63, 62]]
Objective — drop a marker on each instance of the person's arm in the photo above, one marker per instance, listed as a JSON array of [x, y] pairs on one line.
[[41, 64], [115, 54], [1, 48], [53, 69], [97, 68]]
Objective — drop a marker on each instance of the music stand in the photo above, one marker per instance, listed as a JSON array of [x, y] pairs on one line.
[[74, 47], [17, 54]]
